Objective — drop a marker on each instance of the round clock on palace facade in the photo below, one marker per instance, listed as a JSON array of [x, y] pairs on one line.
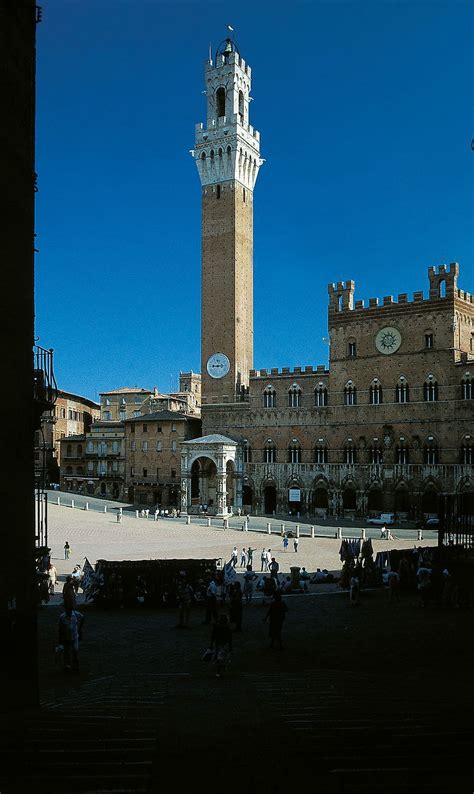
[[388, 340], [218, 365]]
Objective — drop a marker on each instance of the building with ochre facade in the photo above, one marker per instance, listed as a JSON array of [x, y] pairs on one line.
[[387, 426]]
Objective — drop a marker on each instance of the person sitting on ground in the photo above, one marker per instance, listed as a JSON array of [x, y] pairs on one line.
[[304, 575]]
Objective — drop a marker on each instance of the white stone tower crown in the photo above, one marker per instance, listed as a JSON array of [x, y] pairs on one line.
[[228, 148]]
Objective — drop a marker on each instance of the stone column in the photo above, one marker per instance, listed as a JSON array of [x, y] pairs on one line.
[[221, 489]]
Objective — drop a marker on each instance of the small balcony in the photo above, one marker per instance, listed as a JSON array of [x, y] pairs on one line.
[[45, 390]]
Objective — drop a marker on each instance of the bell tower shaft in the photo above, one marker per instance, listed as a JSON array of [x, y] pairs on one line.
[[227, 155]]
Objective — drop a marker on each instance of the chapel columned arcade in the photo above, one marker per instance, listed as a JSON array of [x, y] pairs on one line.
[[211, 474]]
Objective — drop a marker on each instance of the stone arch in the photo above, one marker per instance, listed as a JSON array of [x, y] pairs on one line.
[[349, 496], [269, 495], [402, 498], [319, 494], [375, 499]]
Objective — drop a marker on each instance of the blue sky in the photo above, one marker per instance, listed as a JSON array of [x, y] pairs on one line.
[[365, 115]]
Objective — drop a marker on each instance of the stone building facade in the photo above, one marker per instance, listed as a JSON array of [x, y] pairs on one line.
[[386, 426], [94, 462], [72, 415]]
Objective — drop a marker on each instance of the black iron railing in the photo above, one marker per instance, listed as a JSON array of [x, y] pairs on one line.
[[45, 389]]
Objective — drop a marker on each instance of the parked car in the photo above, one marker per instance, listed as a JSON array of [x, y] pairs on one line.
[[432, 522], [383, 518]]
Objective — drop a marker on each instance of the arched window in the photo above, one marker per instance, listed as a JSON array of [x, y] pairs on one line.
[[429, 339], [375, 392], [68, 469], [401, 452], [241, 107], [351, 348], [79, 450], [247, 452], [350, 453], [211, 154], [220, 102], [294, 451], [430, 390], [467, 451], [269, 452], [376, 452], [401, 391], [294, 396], [350, 394], [466, 387], [269, 397], [442, 288], [220, 151], [203, 156], [321, 452], [431, 451], [69, 451], [229, 151], [320, 396]]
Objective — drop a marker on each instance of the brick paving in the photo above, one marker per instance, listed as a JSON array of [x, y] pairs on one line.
[[374, 698]]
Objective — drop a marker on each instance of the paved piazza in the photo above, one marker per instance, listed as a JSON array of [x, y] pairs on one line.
[[98, 535]]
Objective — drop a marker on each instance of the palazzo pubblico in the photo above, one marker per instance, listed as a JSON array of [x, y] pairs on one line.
[[388, 426]]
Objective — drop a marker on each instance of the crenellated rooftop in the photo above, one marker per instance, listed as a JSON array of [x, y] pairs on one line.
[[443, 284], [287, 371]]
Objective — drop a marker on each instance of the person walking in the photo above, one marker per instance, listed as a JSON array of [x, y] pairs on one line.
[[67, 550], [250, 556], [211, 602], [274, 568], [249, 578], [236, 606], [269, 559], [383, 532], [263, 561], [221, 644], [69, 634], [69, 594], [276, 615], [243, 559], [295, 544], [185, 597], [234, 556], [52, 578], [285, 542]]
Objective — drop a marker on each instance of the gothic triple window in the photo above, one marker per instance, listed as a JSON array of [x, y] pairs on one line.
[[320, 396], [376, 454], [466, 387], [467, 452], [269, 453], [401, 454], [350, 454], [375, 392], [321, 454], [430, 390], [269, 397], [294, 452], [431, 452], [247, 453], [401, 391], [350, 394], [294, 397]]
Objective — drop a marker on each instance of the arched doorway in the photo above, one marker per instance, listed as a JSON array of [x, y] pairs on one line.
[[375, 500], [269, 499], [103, 489], [247, 497], [429, 501], [402, 500], [320, 498], [203, 483], [349, 499]]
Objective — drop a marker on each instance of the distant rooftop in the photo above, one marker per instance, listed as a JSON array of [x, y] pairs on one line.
[[125, 390]]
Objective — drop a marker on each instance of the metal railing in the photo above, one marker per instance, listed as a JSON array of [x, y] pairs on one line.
[[45, 389]]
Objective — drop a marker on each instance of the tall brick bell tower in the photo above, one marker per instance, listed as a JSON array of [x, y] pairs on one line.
[[227, 155]]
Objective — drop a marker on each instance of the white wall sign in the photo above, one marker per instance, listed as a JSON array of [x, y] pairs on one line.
[[294, 495]]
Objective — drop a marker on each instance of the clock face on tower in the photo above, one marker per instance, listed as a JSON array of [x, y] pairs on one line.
[[388, 340], [218, 365]]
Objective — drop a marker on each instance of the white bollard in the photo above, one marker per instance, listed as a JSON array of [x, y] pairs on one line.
[[136, 514], [59, 500], [420, 534], [269, 528], [339, 533], [188, 519], [297, 530], [312, 532], [282, 530], [120, 510], [105, 508], [72, 502], [225, 523], [86, 506], [362, 533], [208, 521]]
